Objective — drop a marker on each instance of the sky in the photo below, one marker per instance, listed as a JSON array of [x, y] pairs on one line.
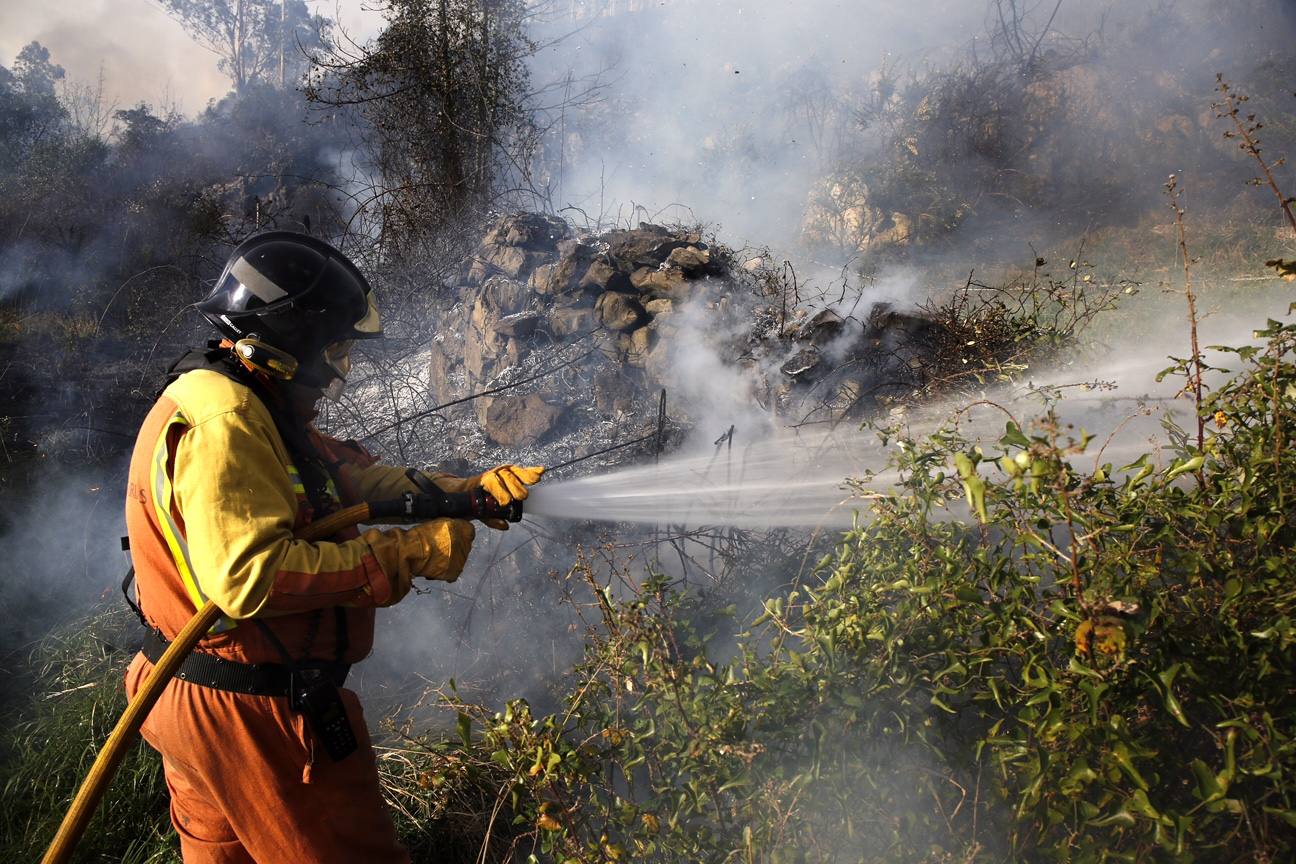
[[144, 54]]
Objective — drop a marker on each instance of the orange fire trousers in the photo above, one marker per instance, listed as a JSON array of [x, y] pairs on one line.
[[248, 785]]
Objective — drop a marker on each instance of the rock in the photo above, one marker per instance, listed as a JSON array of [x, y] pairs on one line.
[[1175, 124], [567, 273], [483, 316], [481, 407], [660, 359], [619, 311], [690, 259], [841, 215], [660, 306], [636, 346], [898, 232], [576, 298], [512, 421], [616, 389], [608, 343], [518, 325], [505, 295], [515, 351], [648, 245], [512, 261], [602, 275], [564, 321], [473, 271], [541, 281], [670, 283], [479, 355], [823, 328], [568, 248], [802, 365], [751, 265], [666, 326], [892, 327], [534, 231], [439, 365]]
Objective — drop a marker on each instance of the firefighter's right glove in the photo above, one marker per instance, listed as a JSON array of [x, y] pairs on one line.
[[436, 549], [504, 483]]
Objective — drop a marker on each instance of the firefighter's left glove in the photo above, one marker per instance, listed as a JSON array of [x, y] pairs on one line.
[[436, 549], [504, 483]]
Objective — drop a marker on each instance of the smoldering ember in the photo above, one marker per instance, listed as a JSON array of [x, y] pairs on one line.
[[592, 431]]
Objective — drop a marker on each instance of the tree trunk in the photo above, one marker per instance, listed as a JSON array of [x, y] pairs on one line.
[[240, 36]]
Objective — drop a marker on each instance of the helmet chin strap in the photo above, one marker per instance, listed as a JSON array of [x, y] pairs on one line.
[[266, 359], [333, 392], [280, 365]]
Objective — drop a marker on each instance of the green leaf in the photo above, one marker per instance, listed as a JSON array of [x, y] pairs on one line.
[[1013, 436], [736, 783], [1288, 816], [935, 700], [1121, 818], [1208, 788], [464, 725], [1139, 803], [1166, 677], [1191, 465], [1121, 754], [974, 490]]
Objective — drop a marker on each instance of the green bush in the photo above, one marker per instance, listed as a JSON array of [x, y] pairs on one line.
[[1098, 664], [69, 703]]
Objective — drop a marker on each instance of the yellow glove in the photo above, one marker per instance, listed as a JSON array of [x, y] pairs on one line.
[[436, 549], [505, 483], [508, 483]]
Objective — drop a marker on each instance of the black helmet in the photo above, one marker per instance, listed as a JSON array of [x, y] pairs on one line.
[[297, 295]]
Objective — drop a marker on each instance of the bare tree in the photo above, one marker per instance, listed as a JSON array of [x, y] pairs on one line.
[[254, 39], [444, 91]]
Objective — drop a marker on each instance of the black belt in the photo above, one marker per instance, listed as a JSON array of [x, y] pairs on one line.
[[254, 679]]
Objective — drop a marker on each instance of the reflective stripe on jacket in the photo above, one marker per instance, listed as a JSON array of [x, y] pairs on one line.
[[213, 499]]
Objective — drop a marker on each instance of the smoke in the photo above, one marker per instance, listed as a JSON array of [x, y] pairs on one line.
[[738, 114], [57, 532], [725, 111], [143, 55]]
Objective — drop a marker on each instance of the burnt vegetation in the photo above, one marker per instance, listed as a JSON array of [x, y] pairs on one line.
[[1022, 651]]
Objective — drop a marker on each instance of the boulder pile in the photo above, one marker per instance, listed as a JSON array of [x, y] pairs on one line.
[[534, 285], [590, 326]]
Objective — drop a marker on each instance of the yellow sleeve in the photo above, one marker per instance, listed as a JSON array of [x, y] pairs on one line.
[[378, 482], [234, 494]]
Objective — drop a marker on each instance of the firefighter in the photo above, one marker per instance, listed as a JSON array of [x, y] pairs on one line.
[[266, 754]]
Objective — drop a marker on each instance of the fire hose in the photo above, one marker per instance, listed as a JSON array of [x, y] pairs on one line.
[[476, 504]]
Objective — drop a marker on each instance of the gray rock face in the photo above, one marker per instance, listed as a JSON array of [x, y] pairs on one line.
[[519, 324], [802, 364], [619, 311], [603, 275], [691, 259], [566, 321], [514, 421], [655, 283]]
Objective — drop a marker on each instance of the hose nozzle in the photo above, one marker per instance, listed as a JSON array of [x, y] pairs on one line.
[[473, 504]]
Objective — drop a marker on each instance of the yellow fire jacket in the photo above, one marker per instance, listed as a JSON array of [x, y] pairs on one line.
[[213, 498]]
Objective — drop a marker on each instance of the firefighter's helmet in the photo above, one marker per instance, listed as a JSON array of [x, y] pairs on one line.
[[291, 304]]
